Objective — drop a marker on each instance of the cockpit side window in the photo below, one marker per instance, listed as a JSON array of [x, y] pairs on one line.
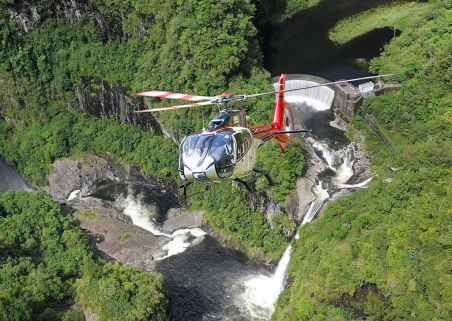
[[223, 150]]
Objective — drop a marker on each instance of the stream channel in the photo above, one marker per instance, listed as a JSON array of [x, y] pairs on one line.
[[205, 280]]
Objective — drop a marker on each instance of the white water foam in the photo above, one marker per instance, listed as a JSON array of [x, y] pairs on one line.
[[314, 104], [320, 98], [358, 185], [142, 215], [75, 194], [321, 195], [340, 161], [262, 291], [345, 171], [181, 240]]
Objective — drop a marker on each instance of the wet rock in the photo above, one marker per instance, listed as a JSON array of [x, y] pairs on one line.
[[98, 207], [122, 241], [101, 194], [177, 218], [304, 195], [84, 175]]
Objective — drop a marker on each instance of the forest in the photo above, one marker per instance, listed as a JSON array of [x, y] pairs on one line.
[[47, 265], [383, 253]]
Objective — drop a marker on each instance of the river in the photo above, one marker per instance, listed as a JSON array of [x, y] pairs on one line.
[[301, 44]]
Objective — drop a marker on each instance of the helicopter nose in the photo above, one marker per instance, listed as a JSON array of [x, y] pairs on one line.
[[201, 172], [200, 176]]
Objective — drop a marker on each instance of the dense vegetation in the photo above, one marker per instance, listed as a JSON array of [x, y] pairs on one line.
[[46, 264], [384, 253]]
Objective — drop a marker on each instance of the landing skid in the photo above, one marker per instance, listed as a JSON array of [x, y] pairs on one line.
[[185, 188], [249, 184]]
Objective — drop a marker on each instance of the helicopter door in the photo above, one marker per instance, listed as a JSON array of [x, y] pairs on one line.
[[245, 156]]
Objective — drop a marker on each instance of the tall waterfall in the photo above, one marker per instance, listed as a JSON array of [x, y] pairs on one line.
[[10, 179]]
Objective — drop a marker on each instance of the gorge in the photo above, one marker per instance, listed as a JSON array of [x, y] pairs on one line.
[[68, 127]]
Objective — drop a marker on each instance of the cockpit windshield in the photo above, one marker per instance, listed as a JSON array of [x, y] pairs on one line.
[[220, 146]]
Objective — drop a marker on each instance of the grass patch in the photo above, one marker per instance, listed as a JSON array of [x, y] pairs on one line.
[[87, 215], [123, 237], [393, 15]]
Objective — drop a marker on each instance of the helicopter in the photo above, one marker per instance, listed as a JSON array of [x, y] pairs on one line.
[[226, 149]]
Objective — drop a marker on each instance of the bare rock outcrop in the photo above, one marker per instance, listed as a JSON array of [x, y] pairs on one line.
[[101, 98], [103, 179], [107, 198]]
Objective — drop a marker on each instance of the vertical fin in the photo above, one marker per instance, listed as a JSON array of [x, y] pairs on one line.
[[278, 113]]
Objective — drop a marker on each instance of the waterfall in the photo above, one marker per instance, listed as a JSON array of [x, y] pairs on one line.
[[321, 195], [321, 98], [262, 291], [142, 215], [10, 179], [357, 185]]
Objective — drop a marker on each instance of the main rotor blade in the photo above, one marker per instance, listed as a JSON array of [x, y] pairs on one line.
[[314, 86], [171, 95], [204, 103]]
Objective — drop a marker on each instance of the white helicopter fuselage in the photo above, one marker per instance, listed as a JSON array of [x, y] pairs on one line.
[[227, 153]]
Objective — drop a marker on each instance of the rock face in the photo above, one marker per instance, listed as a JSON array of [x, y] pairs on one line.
[[94, 96], [299, 203], [177, 218], [121, 241], [30, 16], [97, 177], [100, 98], [262, 202]]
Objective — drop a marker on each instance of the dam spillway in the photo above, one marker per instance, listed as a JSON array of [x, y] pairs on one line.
[[322, 97]]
